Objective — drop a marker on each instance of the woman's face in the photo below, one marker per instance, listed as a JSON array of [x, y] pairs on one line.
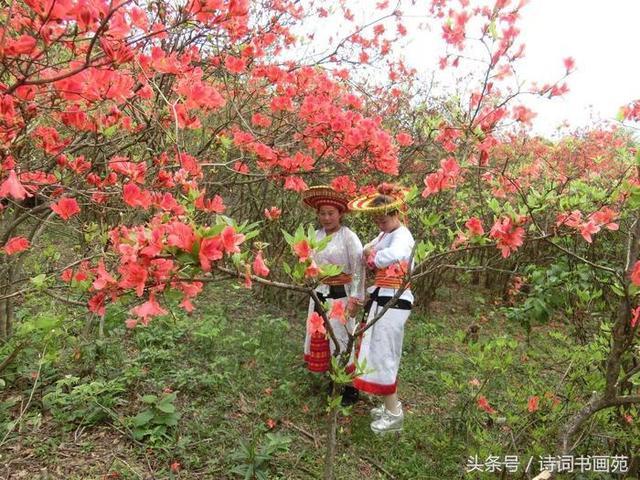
[[386, 223], [329, 217]]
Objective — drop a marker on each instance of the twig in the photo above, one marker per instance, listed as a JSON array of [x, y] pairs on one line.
[[377, 467], [255, 278], [26, 407], [12, 355], [114, 416], [301, 430], [130, 467], [62, 299]]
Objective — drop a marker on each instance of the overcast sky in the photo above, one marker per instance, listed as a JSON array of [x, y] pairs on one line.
[[602, 36]]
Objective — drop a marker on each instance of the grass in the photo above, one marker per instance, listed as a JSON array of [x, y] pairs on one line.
[[237, 367]]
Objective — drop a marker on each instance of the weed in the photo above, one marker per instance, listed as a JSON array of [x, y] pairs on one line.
[[254, 457], [157, 420]]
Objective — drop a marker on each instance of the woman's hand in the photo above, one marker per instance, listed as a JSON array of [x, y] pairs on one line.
[[353, 306]]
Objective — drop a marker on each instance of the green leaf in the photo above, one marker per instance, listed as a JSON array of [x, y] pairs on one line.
[[617, 289], [149, 399], [494, 205], [286, 268], [39, 280], [330, 270], [110, 131], [46, 322], [171, 420], [213, 231], [288, 238], [492, 30], [166, 407], [143, 418], [250, 235]]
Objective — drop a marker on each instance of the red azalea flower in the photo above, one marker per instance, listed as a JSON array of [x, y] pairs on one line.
[[66, 208], [315, 323], [259, 267], [16, 245], [302, 250], [210, 250]]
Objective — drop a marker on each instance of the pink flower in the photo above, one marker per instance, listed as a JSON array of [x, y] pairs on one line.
[[215, 204], [337, 312], [312, 270], [12, 187], [569, 64], [103, 278], [66, 208], [315, 323], [635, 273], [532, 404], [133, 276], [272, 213], [295, 183], [508, 236], [302, 250], [231, 240], [66, 275], [96, 304], [150, 308], [483, 404], [344, 184], [234, 64], [16, 245], [635, 314], [587, 229], [605, 217], [210, 250], [259, 267], [474, 225], [404, 139]]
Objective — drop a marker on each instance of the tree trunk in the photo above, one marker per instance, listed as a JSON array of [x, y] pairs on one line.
[[331, 440], [621, 340]]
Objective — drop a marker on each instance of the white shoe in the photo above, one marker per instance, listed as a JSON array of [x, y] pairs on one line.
[[377, 412], [388, 422]]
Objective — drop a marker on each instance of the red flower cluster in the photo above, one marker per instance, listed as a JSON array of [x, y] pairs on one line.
[[508, 234]]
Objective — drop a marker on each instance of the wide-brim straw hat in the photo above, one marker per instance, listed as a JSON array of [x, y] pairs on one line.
[[364, 203], [320, 195]]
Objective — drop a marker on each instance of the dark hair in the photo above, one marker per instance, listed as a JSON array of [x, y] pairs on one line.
[[387, 194]]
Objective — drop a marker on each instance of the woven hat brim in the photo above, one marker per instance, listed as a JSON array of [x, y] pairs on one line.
[[363, 205], [317, 196]]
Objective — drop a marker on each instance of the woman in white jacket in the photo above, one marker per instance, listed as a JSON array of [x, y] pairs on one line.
[[387, 256], [345, 250]]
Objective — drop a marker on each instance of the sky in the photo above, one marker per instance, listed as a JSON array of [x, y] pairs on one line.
[[602, 38], [600, 35]]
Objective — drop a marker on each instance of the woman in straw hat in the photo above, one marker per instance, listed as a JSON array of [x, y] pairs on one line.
[[345, 250], [388, 256]]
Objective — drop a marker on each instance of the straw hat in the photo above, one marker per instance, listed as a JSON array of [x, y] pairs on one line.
[[365, 203], [320, 195]]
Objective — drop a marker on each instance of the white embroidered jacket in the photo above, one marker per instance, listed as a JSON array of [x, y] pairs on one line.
[[392, 248], [345, 250]]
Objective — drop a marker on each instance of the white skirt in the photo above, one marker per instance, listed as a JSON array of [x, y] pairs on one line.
[[381, 349]]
